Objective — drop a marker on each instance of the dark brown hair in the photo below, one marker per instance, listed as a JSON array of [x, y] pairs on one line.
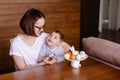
[[61, 34], [28, 20]]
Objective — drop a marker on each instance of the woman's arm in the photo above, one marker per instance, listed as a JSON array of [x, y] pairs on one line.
[[50, 60], [40, 58], [20, 63], [65, 46]]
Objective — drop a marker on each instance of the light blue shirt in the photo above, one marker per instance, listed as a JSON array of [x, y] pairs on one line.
[[58, 51]]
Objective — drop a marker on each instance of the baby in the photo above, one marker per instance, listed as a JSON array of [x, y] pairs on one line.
[[51, 52]]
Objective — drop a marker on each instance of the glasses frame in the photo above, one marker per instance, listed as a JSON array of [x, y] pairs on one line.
[[39, 27]]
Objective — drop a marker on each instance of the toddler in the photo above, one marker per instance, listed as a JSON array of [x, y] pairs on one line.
[[51, 52]]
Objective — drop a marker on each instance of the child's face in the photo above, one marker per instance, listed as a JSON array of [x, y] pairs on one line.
[[53, 39]]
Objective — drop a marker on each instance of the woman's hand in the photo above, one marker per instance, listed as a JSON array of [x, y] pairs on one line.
[[50, 60]]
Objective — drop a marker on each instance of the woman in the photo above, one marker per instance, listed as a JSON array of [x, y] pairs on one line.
[[25, 46]]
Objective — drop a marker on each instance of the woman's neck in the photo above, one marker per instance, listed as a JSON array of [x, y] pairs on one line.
[[28, 39]]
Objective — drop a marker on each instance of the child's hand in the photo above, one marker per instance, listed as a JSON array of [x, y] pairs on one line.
[[50, 60], [51, 57]]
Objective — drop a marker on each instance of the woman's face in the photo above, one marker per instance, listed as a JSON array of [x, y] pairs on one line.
[[38, 26]]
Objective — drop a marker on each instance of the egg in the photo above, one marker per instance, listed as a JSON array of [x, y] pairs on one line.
[[78, 57], [69, 52], [67, 56], [72, 57]]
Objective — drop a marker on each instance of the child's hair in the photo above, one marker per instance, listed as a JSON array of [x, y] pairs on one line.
[[61, 34]]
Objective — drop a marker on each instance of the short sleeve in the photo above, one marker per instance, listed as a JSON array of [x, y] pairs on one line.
[[14, 49], [60, 54], [43, 52]]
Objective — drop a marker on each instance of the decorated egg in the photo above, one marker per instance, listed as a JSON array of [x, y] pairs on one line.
[[78, 57], [72, 57], [67, 56]]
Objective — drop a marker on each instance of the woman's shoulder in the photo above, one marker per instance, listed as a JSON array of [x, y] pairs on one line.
[[15, 39]]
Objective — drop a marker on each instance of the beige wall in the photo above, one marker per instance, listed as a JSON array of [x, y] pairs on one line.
[[60, 14]]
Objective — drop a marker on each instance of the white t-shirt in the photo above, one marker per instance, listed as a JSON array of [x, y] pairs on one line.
[[29, 53]]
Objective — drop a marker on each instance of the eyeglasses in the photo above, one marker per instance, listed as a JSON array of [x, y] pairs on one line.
[[39, 27]]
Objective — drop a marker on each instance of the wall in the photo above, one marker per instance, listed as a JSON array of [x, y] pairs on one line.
[[118, 19], [104, 15], [109, 15], [113, 14], [60, 14], [89, 19]]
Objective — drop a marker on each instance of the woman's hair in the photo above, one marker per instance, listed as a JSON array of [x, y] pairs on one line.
[[28, 20], [61, 34]]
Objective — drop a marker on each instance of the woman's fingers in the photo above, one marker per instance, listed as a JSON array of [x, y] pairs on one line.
[[49, 60]]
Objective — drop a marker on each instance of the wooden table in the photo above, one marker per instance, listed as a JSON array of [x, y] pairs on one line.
[[90, 70]]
